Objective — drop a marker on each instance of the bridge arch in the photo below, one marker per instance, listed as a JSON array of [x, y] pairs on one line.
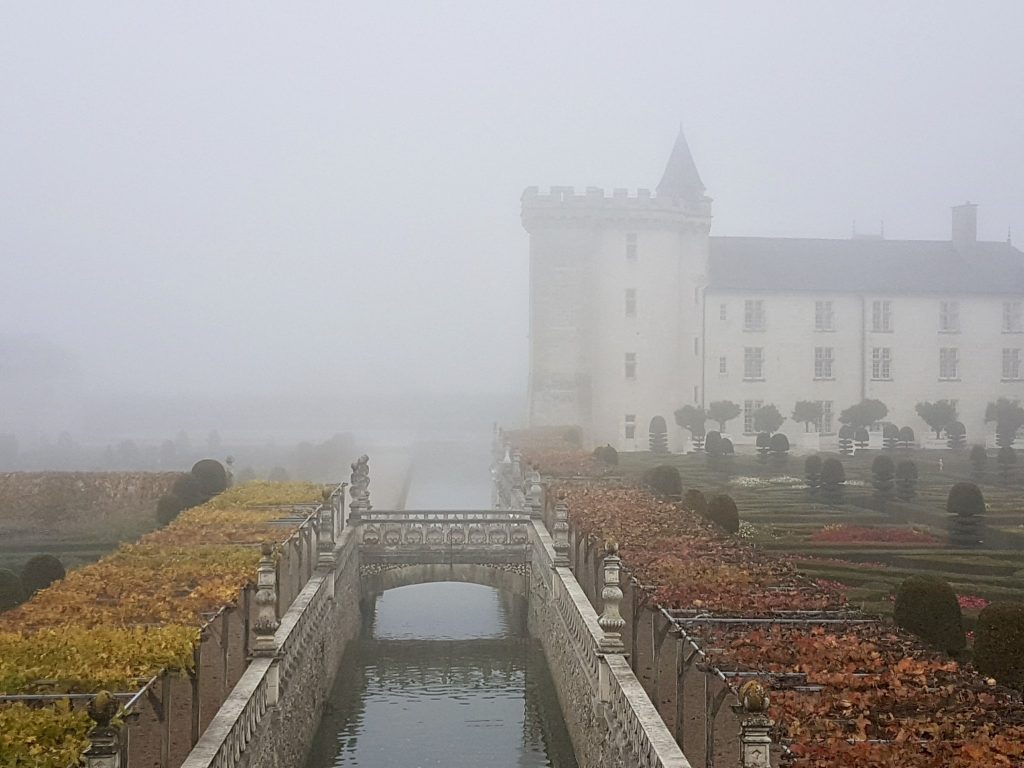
[[513, 578]]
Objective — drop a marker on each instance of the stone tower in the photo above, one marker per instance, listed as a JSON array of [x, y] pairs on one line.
[[616, 296]]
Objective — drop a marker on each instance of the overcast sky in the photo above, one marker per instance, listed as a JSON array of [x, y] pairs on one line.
[[255, 198]]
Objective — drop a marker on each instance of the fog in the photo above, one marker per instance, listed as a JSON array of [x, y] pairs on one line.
[[277, 219]]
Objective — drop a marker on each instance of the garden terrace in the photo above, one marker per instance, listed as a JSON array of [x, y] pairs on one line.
[[846, 688], [165, 623]]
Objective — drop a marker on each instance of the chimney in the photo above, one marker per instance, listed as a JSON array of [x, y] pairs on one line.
[[965, 228]]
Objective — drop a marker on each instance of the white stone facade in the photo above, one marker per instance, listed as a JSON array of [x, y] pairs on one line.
[[636, 310]]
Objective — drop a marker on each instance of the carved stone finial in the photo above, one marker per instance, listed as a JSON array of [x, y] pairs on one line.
[[102, 708], [560, 532], [753, 697], [104, 749], [535, 497], [611, 621], [266, 623], [755, 725]]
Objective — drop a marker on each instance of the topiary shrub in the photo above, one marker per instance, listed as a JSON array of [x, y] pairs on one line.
[[40, 572], [12, 592], [713, 443], [846, 433], [189, 489], [883, 470], [979, 458], [722, 512], [695, 501], [999, 643], [861, 438], [967, 506], [763, 443], [812, 470], [956, 436], [832, 478], [927, 606], [727, 447], [658, 435], [168, 507], [906, 479], [1006, 458], [779, 443], [890, 436], [212, 476], [907, 437], [664, 480], [607, 454]]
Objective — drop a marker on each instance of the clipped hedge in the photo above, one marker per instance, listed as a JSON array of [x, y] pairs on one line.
[[695, 501], [722, 512], [999, 643], [664, 480], [12, 592], [927, 606], [40, 572]]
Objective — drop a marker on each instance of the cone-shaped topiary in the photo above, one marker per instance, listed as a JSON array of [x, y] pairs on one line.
[[189, 490], [883, 469], [168, 507], [906, 479], [890, 436], [967, 506], [999, 643], [664, 480], [713, 443], [722, 511], [211, 476], [12, 593], [40, 572], [927, 606], [695, 501], [979, 458], [812, 470]]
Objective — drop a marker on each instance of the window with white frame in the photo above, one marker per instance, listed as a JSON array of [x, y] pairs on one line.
[[753, 363], [723, 311], [824, 424], [1011, 364], [823, 319], [1012, 322], [631, 246], [631, 365], [881, 363], [753, 315], [881, 316], [723, 366], [949, 363], [630, 426], [631, 302], [823, 358], [749, 407], [949, 316]]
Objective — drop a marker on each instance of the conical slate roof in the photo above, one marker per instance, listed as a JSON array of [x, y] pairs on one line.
[[681, 180]]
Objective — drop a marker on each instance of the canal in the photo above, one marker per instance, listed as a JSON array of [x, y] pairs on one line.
[[444, 674]]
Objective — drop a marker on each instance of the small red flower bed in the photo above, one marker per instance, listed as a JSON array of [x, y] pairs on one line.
[[854, 534]]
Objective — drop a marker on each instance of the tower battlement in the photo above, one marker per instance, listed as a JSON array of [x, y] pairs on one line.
[[562, 201]]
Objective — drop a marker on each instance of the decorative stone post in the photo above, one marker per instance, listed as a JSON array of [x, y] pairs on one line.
[[325, 533], [755, 726], [560, 532], [266, 623], [611, 621], [359, 488], [104, 749], [535, 499]]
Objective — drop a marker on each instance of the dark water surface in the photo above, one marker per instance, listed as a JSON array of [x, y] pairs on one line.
[[444, 674]]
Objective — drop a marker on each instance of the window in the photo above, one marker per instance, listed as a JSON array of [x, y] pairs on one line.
[[631, 365], [723, 366], [881, 316], [749, 406], [753, 363], [631, 302], [823, 362], [824, 424], [753, 315], [631, 246], [949, 317], [723, 313], [1012, 317], [1011, 364], [881, 363], [949, 363], [823, 316], [630, 426]]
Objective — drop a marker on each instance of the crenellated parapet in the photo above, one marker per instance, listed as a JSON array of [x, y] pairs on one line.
[[561, 203]]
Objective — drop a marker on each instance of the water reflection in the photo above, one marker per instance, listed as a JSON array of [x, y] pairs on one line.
[[444, 675]]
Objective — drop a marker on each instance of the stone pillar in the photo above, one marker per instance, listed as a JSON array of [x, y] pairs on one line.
[[266, 623], [359, 485], [104, 749], [325, 533], [535, 498], [755, 726], [611, 621], [560, 533]]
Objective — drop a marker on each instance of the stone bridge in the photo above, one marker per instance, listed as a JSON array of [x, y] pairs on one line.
[[522, 545]]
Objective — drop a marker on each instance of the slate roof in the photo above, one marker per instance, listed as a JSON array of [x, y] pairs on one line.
[[864, 266], [681, 181]]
